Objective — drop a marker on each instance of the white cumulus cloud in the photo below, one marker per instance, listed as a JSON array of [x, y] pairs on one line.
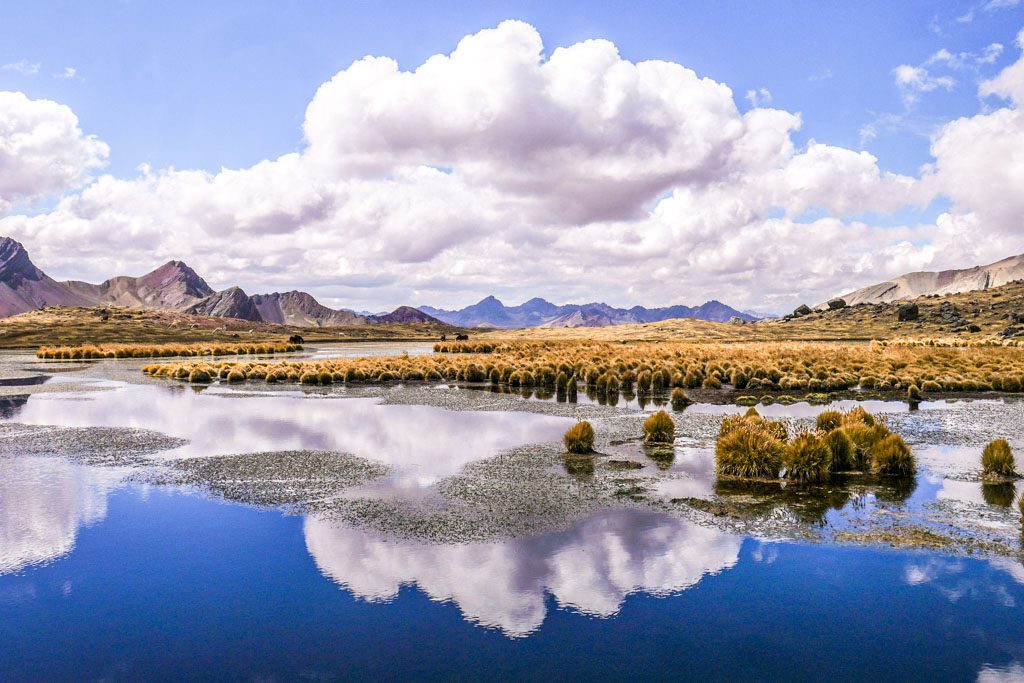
[[42, 149], [573, 175]]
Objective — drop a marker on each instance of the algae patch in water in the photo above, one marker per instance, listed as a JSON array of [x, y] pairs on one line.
[[300, 479], [89, 445]]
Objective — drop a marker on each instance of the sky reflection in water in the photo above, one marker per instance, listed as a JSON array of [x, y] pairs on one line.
[[101, 561]]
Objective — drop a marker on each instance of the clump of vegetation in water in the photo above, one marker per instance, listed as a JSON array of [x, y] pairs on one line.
[[844, 452], [997, 460], [199, 376], [580, 438], [679, 399], [892, 457], [807, 458], [855, 441], [748, 448], [659, 428]]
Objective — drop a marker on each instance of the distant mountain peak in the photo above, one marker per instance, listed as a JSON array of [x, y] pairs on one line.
[[15, 265], [537, 312], [23, 287]]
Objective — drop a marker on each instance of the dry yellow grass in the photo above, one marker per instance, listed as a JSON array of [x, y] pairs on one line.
[[993, 311], [64, 326], [794, 367], [163, 350]]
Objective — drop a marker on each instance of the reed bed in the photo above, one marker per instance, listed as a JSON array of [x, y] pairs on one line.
[[607, 368], [90, 351]]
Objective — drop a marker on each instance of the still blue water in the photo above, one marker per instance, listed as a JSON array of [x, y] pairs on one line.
[[168, 585]]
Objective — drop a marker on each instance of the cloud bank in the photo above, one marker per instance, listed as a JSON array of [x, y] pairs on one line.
[[574, 175]]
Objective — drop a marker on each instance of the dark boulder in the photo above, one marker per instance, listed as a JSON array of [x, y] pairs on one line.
[[836, 304], [802, 310], [907, 312], [296, 339]]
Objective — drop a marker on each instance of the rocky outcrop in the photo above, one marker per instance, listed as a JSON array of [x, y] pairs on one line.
[[231, 303], [836, 304], [302, 310], [908, 312], [913, 285]]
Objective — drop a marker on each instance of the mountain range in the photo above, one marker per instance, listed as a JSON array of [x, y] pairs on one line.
[[913, 285], [173, 286], [490, 312]]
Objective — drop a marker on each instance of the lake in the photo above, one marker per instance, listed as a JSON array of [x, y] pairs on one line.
[[152, 531]]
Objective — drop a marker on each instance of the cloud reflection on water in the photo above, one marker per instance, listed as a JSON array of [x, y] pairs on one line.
[[590, 567], [43, 504]]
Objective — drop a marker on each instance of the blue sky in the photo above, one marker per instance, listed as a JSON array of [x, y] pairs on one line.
[[209, 86], [206, 85]]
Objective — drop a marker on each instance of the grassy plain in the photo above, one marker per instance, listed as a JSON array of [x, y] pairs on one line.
[[64, 326]]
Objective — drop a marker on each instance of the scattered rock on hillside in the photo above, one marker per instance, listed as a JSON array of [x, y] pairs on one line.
[[907, 312], [802, 310], [836, 304]]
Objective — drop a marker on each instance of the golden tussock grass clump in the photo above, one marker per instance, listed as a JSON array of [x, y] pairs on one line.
[[807, 458], [891, 456], [99, 351], [855, 441], [659, 428], [580, 438], [747, 448], [997, 460]]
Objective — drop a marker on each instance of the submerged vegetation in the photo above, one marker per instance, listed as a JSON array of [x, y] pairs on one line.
[[163, 350]]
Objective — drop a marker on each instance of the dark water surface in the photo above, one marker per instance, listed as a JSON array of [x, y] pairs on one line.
[[103, 577], [169, 585]]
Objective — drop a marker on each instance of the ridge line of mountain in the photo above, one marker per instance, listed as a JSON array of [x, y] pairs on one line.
[[925, 283], [176, 286]]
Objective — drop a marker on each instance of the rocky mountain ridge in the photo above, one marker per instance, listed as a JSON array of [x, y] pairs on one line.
[[926, 283], [173, 286]]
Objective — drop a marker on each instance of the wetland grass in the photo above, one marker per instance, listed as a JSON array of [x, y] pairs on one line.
[[892, 457], [579, 439], [807, 458], [659, 429], [855, 441], [748, 448], [997, 461], [98, 351], [811, 370]]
